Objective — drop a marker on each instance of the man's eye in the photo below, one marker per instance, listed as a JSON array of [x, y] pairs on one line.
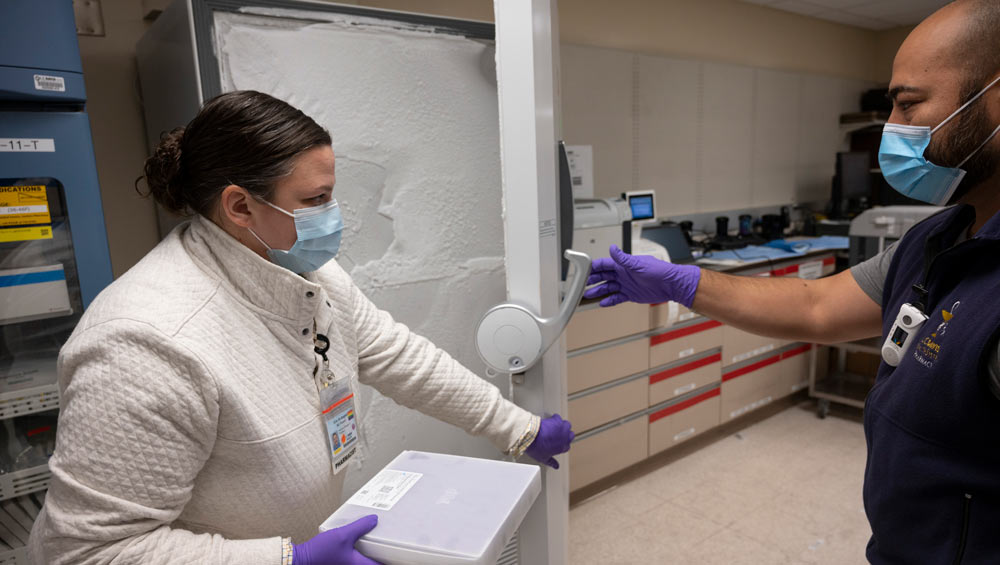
[[902, 105]]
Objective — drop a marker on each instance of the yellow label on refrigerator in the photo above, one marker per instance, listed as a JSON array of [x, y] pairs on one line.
[[24, 205], [8, 235]]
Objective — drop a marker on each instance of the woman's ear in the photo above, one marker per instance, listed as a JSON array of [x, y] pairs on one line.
[[234, 205]]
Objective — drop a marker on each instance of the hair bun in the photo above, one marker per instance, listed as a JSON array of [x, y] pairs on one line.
[[163, 173]]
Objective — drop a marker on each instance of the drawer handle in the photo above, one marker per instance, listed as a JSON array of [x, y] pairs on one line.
[[685, 434], [686, 388]]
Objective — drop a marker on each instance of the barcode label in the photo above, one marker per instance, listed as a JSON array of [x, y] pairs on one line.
[[385, 489], [50, 83]]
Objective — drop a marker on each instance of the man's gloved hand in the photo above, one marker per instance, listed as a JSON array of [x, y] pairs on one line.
[[641, 278], [336, 546], [554, 437]]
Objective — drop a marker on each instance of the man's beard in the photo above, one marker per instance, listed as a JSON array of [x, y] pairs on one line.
[[970, 129]]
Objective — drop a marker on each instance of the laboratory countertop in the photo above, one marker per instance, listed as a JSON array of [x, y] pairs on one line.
[[751, 262], [750, 266]]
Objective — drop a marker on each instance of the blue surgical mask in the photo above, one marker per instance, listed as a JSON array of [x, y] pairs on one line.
[[901, 157], [317, 240]]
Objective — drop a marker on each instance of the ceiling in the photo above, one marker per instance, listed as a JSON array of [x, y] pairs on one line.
[[867, 14]]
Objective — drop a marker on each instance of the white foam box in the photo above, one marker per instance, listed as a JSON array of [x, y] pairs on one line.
[[441, 509]]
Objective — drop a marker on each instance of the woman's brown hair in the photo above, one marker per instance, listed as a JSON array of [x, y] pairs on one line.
[[246, 138]]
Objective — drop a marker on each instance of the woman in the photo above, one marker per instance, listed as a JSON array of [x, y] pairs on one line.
[[194, 388]]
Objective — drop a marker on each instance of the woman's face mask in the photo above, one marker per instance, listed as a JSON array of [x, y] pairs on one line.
[[317, 238]]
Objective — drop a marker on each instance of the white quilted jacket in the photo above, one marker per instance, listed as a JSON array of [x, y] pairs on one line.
[[190, 428]]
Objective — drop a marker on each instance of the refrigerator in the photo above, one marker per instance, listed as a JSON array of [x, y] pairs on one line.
[[53, 244], [448, 174]]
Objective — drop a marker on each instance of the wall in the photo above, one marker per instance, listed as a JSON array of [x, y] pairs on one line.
[[885, 51], [715, 30], [118, 131], [705, 136], [725, 31]]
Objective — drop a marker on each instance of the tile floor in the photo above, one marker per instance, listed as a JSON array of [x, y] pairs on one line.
[[784, 490]]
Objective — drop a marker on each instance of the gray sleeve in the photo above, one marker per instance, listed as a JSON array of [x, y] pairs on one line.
[[870, 275]]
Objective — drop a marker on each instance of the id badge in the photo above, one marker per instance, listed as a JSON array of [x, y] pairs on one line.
[[343, 431]]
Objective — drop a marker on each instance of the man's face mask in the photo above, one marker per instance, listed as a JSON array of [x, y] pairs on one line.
[[317, 229], [906, 168]]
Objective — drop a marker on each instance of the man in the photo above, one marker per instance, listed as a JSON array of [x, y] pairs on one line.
[[932, 421]]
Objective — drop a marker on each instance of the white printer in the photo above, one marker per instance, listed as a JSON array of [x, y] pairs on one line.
[[600, 223]]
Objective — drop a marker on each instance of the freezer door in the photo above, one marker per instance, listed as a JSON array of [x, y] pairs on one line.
[[57, 146]]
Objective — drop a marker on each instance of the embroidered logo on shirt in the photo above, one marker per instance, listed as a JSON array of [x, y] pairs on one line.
[[927, 350]]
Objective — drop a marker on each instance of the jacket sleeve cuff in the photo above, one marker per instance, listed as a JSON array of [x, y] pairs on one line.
[[526, 439]]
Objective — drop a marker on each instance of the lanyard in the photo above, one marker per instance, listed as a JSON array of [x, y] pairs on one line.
[[934, 248]]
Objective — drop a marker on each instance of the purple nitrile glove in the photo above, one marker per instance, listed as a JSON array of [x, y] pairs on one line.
[[336, 546], [641, 278], [554, 437]]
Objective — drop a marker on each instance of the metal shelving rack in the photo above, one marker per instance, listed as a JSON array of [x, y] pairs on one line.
[[840, 385], [22, 492]]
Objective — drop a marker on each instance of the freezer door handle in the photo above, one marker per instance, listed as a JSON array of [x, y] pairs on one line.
[[511, 338]]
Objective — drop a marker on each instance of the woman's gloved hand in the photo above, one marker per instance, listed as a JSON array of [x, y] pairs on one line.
[[336, 546], [554, 437], [641, 278]]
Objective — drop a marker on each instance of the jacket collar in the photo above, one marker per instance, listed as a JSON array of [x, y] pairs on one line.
[[249, 276], [991, 229]]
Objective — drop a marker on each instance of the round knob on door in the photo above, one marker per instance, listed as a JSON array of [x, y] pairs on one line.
[[509, 339]]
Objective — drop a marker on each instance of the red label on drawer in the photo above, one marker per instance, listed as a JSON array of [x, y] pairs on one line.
[[785, 271], [683, 332], [687, 367], [795, 268], [750, 368], [682, 405], [797, 351]]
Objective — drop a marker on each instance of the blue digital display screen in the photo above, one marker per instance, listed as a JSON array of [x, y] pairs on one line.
[[642, 207]]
